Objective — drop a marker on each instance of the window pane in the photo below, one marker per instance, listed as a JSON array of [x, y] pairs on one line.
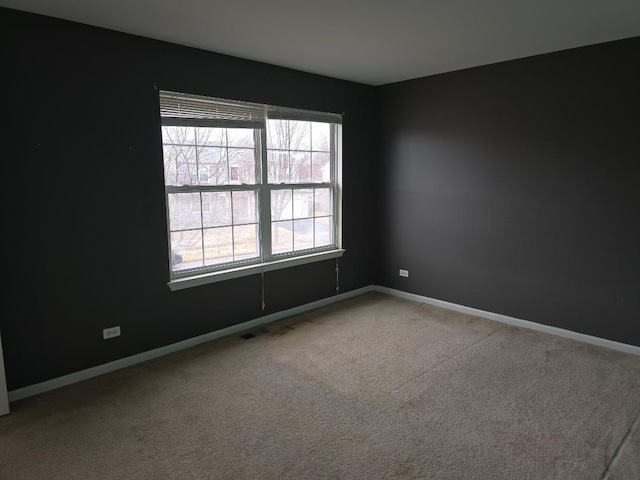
[[205, 175], [303, 203], [282, 237], [278, 134], [320, 136], [303, 234], [320, 167], [278, 166], [216, 209], [300, 167], [178, 135], [218, 246], [245, 242], [242, 165], [170, 165], [186, 249], [215, 137], [179, 165], [288, 151], [184, 211], [323, 229], [213, 161], [244, 207], [299, 135], [240, 137], [323, 202], [281, 205]]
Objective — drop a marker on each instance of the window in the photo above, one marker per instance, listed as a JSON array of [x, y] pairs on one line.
[[249, 187], [233, 174]]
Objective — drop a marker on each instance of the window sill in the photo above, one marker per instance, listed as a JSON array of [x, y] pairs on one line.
[[212, 277]]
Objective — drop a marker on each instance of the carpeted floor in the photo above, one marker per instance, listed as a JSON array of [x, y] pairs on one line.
[[374, 387]]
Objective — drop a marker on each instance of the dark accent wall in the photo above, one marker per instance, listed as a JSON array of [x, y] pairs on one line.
[[511, 188], [514, 188], [85, 246]]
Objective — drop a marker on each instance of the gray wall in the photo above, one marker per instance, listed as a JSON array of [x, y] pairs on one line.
[[86, 247], [514, 188], [509, 188]]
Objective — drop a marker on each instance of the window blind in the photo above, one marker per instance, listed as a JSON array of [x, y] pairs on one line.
[[284, 113], [186, 109]]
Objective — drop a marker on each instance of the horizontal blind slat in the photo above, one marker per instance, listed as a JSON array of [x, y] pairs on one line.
[[174, 105], [283, 113], [208, 122], [179, 105]]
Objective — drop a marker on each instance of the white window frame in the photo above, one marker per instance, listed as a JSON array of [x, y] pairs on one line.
[[196, 113]]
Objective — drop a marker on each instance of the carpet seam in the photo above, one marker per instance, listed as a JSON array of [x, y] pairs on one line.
[[619, 449]]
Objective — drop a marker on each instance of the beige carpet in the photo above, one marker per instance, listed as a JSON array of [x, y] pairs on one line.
[[370, 388]]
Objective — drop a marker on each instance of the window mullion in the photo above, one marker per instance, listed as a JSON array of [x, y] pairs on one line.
[[332, 153], [226, 153], [195, 143], [202, 229], [195, 146], [333, 159], [264, 198], [210, 188], [300, 186], [336, 169]]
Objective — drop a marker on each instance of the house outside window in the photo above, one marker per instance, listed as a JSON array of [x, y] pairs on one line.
[[249, 187], [233, 174]]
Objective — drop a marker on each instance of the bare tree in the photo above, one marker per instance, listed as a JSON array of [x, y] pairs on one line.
[[289, 159], [219, 156], [195, 156]]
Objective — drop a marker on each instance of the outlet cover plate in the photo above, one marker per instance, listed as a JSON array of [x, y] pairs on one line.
[[111, 332]]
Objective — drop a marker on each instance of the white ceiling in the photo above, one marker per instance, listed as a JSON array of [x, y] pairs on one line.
[[368, 41]]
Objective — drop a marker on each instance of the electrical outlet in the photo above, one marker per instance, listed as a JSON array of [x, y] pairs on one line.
[[404, 273], [111, 332]]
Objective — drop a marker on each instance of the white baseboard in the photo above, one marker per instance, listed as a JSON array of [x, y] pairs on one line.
[[581, 337], [4, 397], [52, 384], [75, 377]]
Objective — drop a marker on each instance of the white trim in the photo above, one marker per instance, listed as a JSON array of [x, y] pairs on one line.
[[196, 110], [337, 178], [4, 398], [212, 277], [498, 317], [75, 377]]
